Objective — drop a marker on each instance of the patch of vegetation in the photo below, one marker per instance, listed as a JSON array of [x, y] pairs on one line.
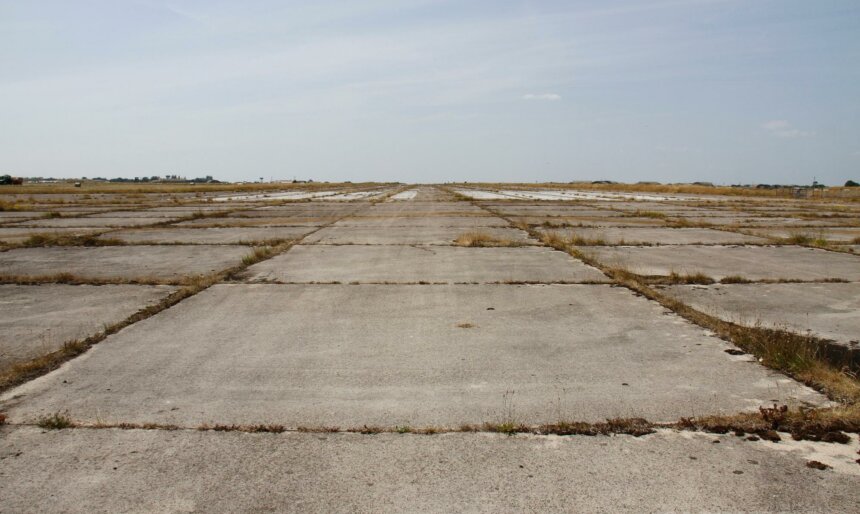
[[258, 254], [802, 239], [57, 239], [9, 206], [56, 421], [477, 239], [694, 278], [646, 214], [735, 279]]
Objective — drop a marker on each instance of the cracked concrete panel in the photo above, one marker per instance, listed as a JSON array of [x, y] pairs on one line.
[[656, 236], [151, 470], [36, 320], [828, 311], [346, 355], [168, 262], [211, 235], [413, 235], [717, 262], [398, 264]]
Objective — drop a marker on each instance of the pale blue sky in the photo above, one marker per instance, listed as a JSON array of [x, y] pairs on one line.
[[752, 91]]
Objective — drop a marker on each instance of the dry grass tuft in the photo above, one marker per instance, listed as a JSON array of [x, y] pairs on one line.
[[478, 239], [694, 278], [258, 254], [803, 239], [9, 206], [735, 279], [56, 239], [827, 425], [645, 214], [56, 421], [555, 240]]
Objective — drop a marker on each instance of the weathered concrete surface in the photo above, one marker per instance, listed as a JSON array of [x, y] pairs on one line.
[[829, 311], [382, 223], [168, 262], [35, 320], [229, 221], [657, 236], [143, 213], [621, 221], [557, 212], [214, 235], [373, 263], [18, 234], [301, 210], [12, 216], [410, 235], [751, 262], [769, 222], [113, 470], [835, 234], [411, 208], [343, 355], [92, 222]]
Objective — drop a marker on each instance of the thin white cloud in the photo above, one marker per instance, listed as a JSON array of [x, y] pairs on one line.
[[550, 97], [782, 128]]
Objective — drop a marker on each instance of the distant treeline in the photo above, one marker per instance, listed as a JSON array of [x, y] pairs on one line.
[[167, 179]]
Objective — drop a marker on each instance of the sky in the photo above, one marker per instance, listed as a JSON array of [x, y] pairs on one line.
[[424, 91]]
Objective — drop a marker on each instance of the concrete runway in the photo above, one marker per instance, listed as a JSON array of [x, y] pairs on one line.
[[375, 317]]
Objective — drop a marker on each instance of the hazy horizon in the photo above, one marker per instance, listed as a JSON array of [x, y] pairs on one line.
[[426, 91]]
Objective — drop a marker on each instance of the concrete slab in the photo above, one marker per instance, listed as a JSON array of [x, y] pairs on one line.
[[409, 235], [228, 221], [214, 235], [91, 222], [769, 222], [835, 234], [399, 264], [36, 320], [549, 212], [156, 471], [754, 262], [301, 210], [19, 234], [343, 355], [385, 222], [828, 311], [576, 221], [407, 208], [144, 213], [170, 262], [19, 215], [657, 235]]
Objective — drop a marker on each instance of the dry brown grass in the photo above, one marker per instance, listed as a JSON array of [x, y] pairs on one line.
[[258, 254], [12, 206], [58, 239], [136, 190], [645, 214], [689, 278], [480, 239]]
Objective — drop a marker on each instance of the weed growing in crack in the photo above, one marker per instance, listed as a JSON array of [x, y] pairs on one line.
[[56, 421], [258, 254], [479, 239]]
